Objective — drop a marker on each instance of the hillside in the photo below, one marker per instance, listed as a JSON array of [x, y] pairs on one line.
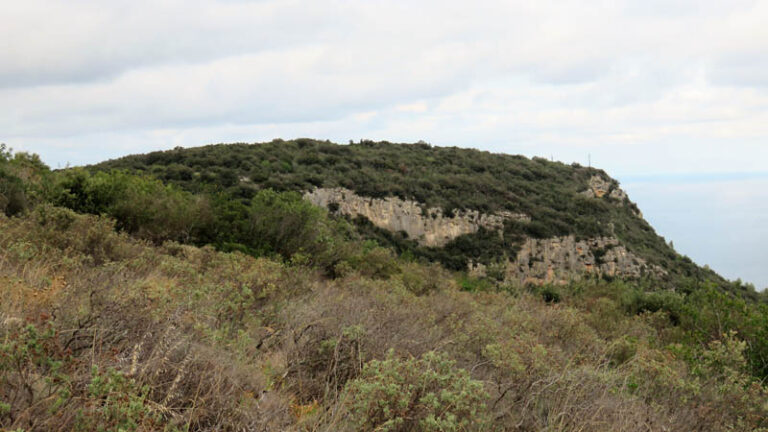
[[547, 200], [99, 331], [132, 303]]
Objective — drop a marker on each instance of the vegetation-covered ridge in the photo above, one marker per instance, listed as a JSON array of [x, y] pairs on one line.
[[112, 319], [551, 193]]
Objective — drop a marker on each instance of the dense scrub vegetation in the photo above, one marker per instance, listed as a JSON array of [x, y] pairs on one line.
[[450, 178], [100, 331], [22, 181], [119, 313], [269, 224]]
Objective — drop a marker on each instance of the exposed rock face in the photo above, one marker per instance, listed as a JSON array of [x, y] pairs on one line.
[[598, 187], [429, 227], [539, 261], [618, 194], [562, 259]]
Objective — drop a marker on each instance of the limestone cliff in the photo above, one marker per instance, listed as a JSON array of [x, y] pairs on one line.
[[538, 261], [561, 259], [429, 227]]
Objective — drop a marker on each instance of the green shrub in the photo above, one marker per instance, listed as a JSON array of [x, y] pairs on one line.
[[424, 394], [92, 236], [141, 205], [637, 301], [23, 178], [622, 350], [283, 223], [35, 377], [375, 262], [421, 279], [12, 198], [549, 293], [116, 403], [474, 284]]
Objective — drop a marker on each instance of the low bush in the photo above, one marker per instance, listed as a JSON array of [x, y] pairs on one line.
[[424, 394], [141, 205]]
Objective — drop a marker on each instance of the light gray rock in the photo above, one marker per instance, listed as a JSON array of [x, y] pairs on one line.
[[563, 259], [600, 187], [429, 227], [539, 261], [618, 194]]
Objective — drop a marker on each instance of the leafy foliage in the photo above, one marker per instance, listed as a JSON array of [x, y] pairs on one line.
[[270, 223], [425, 394], [285, 224], [141, 205], [111, 320], [23, 179], [450, 178]]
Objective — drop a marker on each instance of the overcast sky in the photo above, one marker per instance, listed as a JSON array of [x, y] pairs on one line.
[[670, 97]]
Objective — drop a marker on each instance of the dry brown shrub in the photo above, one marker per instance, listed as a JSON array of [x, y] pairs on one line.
[[332, 332], [423, 279], [118, 304], [215, 341]]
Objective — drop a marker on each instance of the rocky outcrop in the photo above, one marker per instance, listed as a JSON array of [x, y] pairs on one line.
[[555, 260], [599, 188], [618, 194], [562, 259], [429, 227]]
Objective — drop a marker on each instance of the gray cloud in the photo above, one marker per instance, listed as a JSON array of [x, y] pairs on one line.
[[77, 42]]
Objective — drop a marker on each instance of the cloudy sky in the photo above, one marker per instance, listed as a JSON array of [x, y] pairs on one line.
[[670, 97]]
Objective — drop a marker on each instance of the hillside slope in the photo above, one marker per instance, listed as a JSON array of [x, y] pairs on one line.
[[100, 331], [131, 304], [556, 221]]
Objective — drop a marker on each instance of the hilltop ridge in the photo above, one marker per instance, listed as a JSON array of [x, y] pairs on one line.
[[445, 204]]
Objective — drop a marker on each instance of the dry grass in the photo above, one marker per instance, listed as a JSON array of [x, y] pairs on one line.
[[190, 339]]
